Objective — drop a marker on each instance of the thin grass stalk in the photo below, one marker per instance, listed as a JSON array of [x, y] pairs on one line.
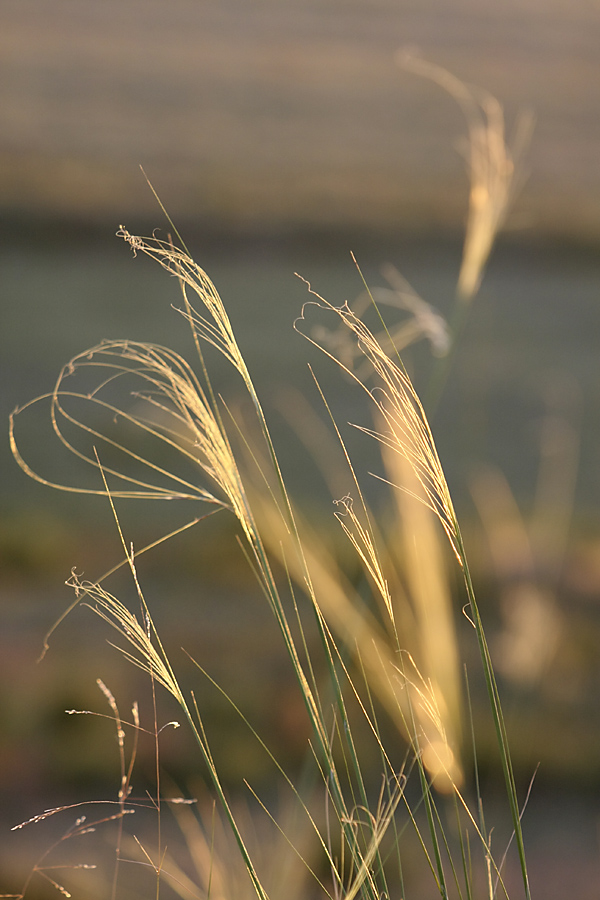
[[325, 584], [155, 662], [465, 853], [347, 741], [498, 718], [428, 803], [272, 758], [481, 817], [399, 779], [410, 435]]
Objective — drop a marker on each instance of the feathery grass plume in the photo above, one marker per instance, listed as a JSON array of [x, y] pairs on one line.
[[493, 166], [212, 326], [163, 401], [400, 409], [406, 431], [412, 700], [422, 616]]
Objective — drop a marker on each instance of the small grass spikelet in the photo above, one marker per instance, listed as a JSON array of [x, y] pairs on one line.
[[145, 653]]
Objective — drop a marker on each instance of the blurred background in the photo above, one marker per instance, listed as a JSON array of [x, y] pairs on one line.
[[281, 136]]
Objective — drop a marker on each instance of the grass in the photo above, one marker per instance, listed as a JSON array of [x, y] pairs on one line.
[[391, 766]]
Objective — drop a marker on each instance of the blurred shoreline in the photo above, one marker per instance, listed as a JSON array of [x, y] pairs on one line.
[[291, 116]]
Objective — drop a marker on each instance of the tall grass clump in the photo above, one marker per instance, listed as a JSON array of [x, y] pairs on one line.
[[383, 680]]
